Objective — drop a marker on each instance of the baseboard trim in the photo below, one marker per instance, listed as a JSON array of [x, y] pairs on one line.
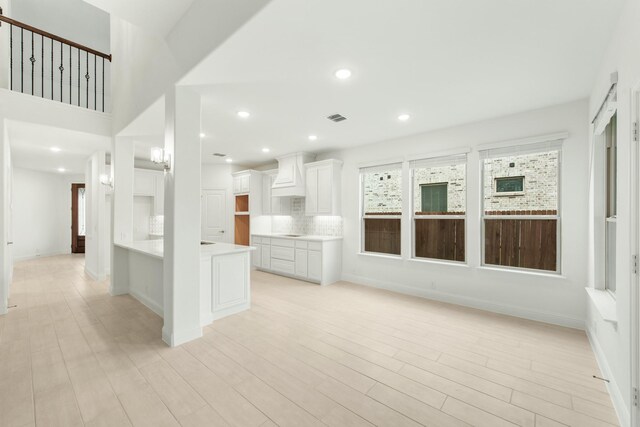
[[612, 386], [147, 302], [525, 313], [91, 274], [34, 256], [178, 338]]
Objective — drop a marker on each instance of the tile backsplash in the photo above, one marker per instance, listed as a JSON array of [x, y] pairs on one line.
[[298, 223]]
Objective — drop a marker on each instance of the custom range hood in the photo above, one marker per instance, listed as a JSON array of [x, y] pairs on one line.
[[290, 181]]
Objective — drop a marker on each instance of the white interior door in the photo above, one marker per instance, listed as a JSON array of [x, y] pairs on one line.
[[214, 213]]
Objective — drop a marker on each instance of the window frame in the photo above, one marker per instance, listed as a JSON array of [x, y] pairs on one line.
[[362, 170], [558, 217], [610, 198], [508, 193], [413, 216]]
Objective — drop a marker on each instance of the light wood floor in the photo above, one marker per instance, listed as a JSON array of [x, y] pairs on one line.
[[342, 355]]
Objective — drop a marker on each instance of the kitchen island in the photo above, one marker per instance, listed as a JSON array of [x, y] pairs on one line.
[[224, 276]]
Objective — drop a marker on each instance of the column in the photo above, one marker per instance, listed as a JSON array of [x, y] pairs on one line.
[[182, 218]]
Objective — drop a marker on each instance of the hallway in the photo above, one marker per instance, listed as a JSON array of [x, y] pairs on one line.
[[303, 355]]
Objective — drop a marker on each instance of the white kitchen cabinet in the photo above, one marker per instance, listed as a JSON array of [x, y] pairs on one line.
[[301, 262], [144, 182], [248, 185], [314, 259], [273, 205], [256, 256], [314, 265], [242, 182], [323, 181]]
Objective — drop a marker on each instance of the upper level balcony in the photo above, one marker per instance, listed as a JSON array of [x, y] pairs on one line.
[[42, 64]]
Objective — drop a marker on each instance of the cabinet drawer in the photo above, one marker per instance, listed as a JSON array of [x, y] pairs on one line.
[[257, 239], [283, 242], [315, 246], [282, 253], [301, 244], [283, 266]]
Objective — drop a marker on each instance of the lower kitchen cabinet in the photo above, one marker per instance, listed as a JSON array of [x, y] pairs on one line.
[[314, 260]]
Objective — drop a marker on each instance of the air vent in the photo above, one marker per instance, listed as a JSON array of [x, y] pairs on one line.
[[219, 155], [337, 118]]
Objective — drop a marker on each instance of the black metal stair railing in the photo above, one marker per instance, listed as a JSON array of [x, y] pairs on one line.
[[87, 90]]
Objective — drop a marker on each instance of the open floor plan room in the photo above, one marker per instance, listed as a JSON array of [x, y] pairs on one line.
[[334, 213]]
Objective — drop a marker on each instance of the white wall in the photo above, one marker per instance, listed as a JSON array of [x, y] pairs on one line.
[[96, 218], [555, 299], [612, 343], [41, 213]]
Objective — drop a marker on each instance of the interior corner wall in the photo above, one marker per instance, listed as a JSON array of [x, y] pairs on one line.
[[549, 298], [41, 213], [612, 344]]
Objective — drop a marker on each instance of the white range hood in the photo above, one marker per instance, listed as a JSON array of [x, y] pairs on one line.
[[290, 181]]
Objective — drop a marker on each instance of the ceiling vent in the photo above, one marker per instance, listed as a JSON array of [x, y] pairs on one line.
[[219, 155], [337, 118]]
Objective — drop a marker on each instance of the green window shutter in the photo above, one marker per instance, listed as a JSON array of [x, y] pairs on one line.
[[434, 197]]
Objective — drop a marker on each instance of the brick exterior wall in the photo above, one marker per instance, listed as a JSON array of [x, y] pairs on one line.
[[383, 190]]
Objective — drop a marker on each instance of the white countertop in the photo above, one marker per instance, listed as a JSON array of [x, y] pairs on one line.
[[309, 237], [155, 248]]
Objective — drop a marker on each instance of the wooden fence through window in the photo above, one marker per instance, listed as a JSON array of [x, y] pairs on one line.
[[440, 238], [382, 235], [524, 243]]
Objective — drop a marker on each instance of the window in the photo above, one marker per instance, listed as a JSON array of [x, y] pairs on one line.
[[439, 208], [381, 208], [520, 228], [611, 184], [434, 197], [510, 185]]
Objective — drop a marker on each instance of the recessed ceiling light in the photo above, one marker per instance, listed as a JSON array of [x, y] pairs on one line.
[[55, 149], [265, 150], [404, 117], [228, 160], [343, 74], [243, 114], [202, 135], [313, 137], [61, 169]]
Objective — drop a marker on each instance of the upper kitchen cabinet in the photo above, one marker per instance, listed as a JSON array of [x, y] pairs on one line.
[[273, 205], [323, 180]]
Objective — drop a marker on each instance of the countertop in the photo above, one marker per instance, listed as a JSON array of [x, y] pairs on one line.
[[155, 248], [309, 237]]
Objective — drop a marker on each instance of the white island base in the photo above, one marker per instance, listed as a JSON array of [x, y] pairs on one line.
[[224, 277]]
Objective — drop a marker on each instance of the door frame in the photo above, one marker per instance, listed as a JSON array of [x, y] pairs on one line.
[[74, 217], [228, 213], [635, 251]]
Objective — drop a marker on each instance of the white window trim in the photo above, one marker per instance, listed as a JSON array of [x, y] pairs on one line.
[[558, 217]]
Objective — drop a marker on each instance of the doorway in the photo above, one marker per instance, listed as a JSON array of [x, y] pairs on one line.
[[78, 224], [214, 215]]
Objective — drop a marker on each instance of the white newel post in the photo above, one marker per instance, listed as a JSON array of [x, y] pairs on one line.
[[122, 150], [182, 218]]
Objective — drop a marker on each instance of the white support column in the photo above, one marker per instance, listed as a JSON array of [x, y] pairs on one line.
[[182, 218], [122, 153]]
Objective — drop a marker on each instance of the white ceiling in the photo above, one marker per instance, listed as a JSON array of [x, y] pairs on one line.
[[443, 62], [157, 17], [31, 147]]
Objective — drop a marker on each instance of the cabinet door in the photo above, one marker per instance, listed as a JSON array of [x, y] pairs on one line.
[[144, 183], [245, 181], [324, 188], [311, 199], [266, 256], [266, 195], [256, 256], [301, 262], [158, 201], [314, 268], [274, 202], [237, 185]]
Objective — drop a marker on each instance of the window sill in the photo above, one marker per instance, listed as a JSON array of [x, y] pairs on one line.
[[439, 262], [376, 255], [522, 271], [604, 303]]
